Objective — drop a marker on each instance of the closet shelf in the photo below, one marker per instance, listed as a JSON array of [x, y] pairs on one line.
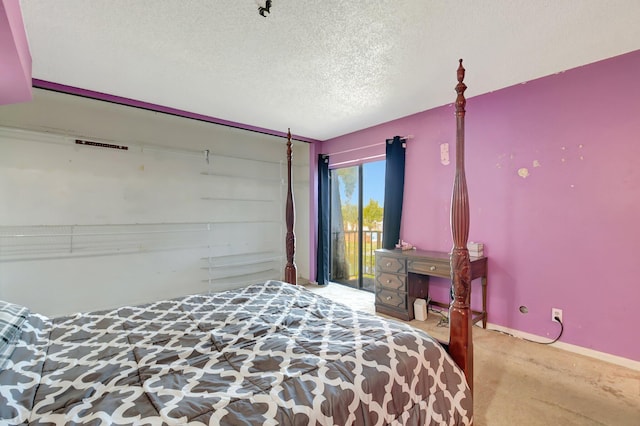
[[260, 178], [243, 262], [243, 277]]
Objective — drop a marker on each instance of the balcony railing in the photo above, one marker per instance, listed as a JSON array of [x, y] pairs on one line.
[[371, 241]]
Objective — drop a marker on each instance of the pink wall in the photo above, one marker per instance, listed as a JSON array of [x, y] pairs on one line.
[[15, 79], [564, 236]]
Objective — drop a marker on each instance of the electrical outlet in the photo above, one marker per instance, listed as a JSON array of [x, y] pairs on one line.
[[556, 313]]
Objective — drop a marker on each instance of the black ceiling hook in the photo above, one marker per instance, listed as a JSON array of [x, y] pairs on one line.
[[265, 9]]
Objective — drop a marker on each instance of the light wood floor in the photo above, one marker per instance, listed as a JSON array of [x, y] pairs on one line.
[[523, 383]]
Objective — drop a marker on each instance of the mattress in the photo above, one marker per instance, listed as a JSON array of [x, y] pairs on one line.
[[267, 354]]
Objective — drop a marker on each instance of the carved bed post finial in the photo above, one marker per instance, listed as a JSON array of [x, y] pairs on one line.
[[290, 271], [461, 102], [460, 325]]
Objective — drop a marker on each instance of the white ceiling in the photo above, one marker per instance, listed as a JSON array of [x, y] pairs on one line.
[[324, 68]]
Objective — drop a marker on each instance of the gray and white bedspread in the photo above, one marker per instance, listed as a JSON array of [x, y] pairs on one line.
[[268, 354]]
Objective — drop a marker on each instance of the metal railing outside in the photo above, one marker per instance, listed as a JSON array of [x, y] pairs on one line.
[[371, 240]]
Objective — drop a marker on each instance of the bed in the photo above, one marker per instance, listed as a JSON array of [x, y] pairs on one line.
[[271, 353]]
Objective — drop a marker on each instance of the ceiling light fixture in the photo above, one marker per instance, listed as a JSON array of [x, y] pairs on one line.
[[263, 10]]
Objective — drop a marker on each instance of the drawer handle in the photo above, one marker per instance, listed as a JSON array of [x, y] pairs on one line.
[[388, 297], [388, 263], [389, 281], [432, 268]]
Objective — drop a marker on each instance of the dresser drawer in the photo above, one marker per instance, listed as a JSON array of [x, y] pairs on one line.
[[391, 281], [390, 264], [392, 299], [430, 267]]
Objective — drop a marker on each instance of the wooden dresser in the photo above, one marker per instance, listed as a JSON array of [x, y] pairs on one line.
[[403, 276]]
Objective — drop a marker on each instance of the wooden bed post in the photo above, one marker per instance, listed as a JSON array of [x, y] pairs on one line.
[[460, 325], [290, 271]]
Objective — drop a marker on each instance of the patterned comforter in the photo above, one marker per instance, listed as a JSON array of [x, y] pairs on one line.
[[267, 354]]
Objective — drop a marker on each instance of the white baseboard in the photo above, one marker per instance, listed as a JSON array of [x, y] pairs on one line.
[[602, 356]]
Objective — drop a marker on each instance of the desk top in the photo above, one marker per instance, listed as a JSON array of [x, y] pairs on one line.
[[422, 254]]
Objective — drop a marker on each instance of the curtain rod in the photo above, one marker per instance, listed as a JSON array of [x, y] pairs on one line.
[[358, 161], [408, 137]]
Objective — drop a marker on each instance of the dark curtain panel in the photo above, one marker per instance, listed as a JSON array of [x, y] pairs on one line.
[[393, 192], [324, 240]]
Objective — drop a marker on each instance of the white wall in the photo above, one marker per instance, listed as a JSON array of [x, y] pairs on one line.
[[84, 228]]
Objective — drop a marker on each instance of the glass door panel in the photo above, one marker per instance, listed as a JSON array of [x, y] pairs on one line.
[[345, 226], [357, 199], [372, 213]]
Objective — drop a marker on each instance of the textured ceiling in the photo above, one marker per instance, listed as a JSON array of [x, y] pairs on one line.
[[324, 68]]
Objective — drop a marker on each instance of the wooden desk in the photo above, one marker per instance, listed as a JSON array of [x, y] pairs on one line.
[[403, 276]]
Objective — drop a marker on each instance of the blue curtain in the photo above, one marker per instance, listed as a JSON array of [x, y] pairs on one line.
[[322, 261], [393, 192]]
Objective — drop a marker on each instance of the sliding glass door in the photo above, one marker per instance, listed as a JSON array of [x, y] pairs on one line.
[[345, 226], [357, 197]]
